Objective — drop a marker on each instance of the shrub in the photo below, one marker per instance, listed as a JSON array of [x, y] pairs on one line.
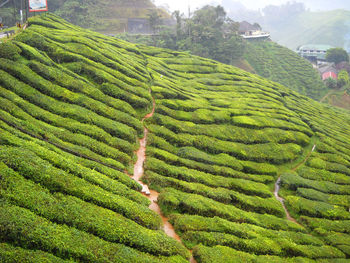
[[190, 175], [245, 202], [32, 167], [172, 200], [74, 212], [8, 50], [316, 209], [9, 253], [63, 241]]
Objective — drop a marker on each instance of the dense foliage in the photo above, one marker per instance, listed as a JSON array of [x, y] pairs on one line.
[[282, 65], [106, 16], [208, 33], [337, 55], [71, 105]]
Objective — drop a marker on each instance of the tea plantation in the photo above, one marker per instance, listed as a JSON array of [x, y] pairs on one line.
[[284, 66], [71, 108]]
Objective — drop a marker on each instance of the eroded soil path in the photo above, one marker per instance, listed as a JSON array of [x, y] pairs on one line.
[[278, 186], [151, 194]]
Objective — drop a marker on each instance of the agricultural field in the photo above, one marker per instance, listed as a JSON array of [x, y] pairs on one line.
[[72, 104], [284, 66]]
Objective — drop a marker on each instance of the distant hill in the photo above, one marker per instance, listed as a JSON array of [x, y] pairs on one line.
[[332, 28], [282, 65], [105, 16]]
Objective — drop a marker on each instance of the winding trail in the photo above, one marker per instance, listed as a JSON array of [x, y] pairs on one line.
[[150, 194], [278, 186]]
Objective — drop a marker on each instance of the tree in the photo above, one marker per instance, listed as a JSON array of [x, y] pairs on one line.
[[337, 55], [155, 21], [343, 78], [331, 83]]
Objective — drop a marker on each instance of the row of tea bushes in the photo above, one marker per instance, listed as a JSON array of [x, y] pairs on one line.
[[172, 200], [246, 202], [72, 102], [9, 253], [64, 241], [65, 209], [190, 175], [212, 127], [118, 183], [34, 168], [91, 171], [221, 254], [174, 159]]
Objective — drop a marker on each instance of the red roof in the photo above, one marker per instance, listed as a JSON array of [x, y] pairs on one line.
[[329, 74]]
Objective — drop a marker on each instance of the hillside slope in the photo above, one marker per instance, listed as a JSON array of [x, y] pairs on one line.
[[72, 103], [284, 66], [331, 27], [105, 16]]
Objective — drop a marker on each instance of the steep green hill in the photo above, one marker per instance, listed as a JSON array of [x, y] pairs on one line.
[[282, 65], [105, 16], [331, 27], [71, 109]]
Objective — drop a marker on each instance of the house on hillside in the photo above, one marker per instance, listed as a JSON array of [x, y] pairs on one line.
[[252, 32], [314, 53], [328, 71]]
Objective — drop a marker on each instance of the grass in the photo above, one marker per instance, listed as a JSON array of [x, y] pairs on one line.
[[71, 109]]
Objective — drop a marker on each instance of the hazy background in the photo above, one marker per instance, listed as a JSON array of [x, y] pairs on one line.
[[314, 5]]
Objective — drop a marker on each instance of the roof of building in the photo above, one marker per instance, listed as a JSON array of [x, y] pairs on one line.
[[246, 26], [315, 47], [329, 74], [327, 68]]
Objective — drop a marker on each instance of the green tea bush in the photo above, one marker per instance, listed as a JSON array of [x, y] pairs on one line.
[[323, 175], [115, 185], [63, 241], [57, 92], [74, 164], [245, 202], [340, 200], [31, 53], [9, 50], [67, 123], [293, 181], [173, 159], [82, 215], [67, 146], [342, 226], [225, 254], [316, 209], [172, 200], [190, 175], [185, 223], [64, 109], [32, 167], [73, 83], [9, 253]]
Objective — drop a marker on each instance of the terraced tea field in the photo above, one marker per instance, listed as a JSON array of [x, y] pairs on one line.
[[72, 108], [284, 66]]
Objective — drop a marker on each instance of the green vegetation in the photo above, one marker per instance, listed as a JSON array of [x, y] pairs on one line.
[[105, 16], [337, 55], [210, 33], [71, 109], [284, 66]]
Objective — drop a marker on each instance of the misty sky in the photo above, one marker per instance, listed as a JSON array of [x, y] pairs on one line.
[[314, 5]]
